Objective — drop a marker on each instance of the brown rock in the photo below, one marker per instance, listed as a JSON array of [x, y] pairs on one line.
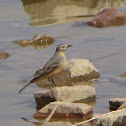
[[39, 41], [116, 102], [65, 110], [4, 55], [123, 74], [109, 17], [65, 94]]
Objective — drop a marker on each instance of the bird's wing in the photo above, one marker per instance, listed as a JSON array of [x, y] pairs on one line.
[[46, 70], [38, 72]]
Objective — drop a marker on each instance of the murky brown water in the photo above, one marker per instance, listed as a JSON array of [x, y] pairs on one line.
[[105, 47]]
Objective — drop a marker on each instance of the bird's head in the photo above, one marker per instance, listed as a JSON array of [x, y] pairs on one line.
[[62, 47]]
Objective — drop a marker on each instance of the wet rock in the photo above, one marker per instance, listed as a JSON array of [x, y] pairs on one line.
[[123, 105], [57, 124], [123, 74], [116, 102], [4, 55], [39, 41], [76, 71], [65, 110], [65, 94], [109, 17]]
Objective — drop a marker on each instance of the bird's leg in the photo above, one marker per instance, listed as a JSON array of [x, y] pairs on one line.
[[53, 82], [49, 79]]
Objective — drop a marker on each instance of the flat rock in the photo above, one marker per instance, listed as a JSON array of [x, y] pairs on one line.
[[65, 94], [116, 102], [65, 110], [75, 72]]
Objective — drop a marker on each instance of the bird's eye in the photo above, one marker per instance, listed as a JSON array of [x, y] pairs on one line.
[[63, 46]]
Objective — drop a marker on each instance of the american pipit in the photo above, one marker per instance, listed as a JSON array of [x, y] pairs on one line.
[[53, 67]]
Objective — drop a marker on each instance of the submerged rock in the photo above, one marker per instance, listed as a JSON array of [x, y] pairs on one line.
[[64, 94], [77, 71], [4, 55], [116, 102], [109, 17], [65, 110], [123, 74], [39, 41]]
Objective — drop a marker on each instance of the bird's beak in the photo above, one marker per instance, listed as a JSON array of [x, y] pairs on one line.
[[69, 45]]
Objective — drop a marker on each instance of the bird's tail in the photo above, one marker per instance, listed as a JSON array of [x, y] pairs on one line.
[[24, 87]]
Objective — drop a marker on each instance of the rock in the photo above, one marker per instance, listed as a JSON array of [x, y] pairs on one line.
[[57, 124], [39, 41], [120, 121], [114, 118], [116, 102], [64, 94], [109, 17], [76, 71], [123, 74], [65, 110], [123, 105], [4, 55]]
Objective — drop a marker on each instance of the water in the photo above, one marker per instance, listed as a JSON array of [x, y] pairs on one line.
[[104, 47]]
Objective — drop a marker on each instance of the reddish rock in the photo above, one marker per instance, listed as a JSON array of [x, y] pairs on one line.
[[109, 17], [39, 41], [65, 110], [4, 55], [123, 74]]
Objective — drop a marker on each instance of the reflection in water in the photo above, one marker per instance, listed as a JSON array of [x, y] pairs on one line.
[[48, 12], [35, 122]]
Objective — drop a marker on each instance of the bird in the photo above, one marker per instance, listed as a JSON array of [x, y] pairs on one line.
[[52, 68]]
